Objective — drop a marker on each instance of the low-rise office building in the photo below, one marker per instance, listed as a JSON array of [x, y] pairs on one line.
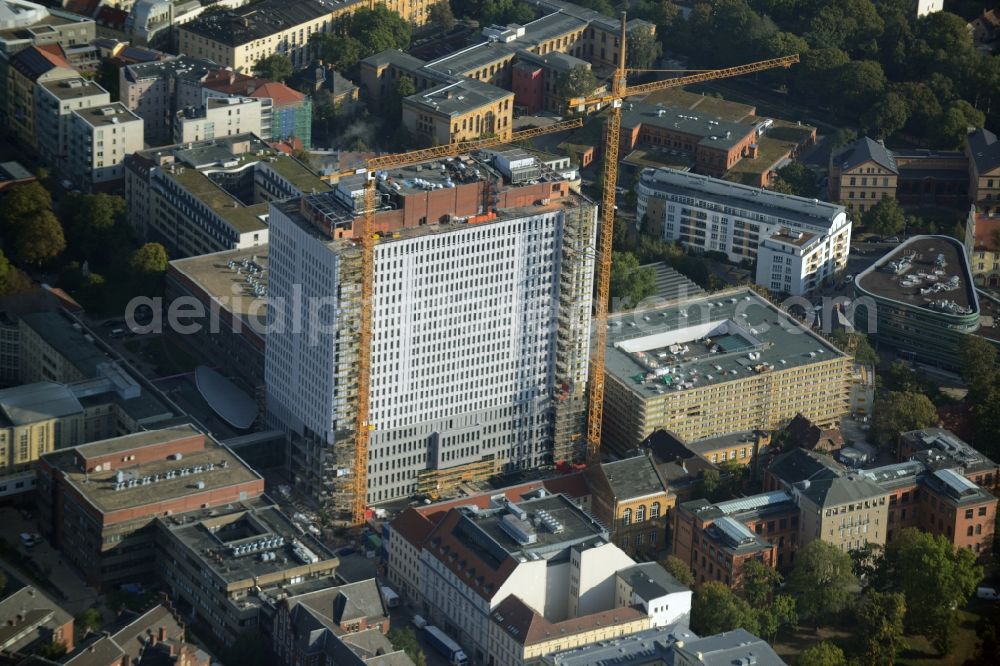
[[25, 71], [729, 361], [460, 111], [240, 38], [222, 567], [212, 195], [220, 117], [55, 103], [29, 24], [920, 300], [99, 139], [632, 499], [97, 501], [30, 620], [798, 243], [542, 559], [336, 610], [672, 645]]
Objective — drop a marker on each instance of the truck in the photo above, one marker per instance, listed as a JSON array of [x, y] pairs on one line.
[[444, 644], [391, 598]]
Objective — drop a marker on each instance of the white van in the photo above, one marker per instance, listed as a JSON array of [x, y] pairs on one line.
[[419, 622]]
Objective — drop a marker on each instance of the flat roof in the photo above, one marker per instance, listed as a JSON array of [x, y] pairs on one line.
[[755, 201], [214, 467], [650, 580], [113, 113], [712, 132], [58, 332], [231, 544], [708, 340], [739, 439], [30, 403], [217, 275], [236, 27], [926, 272], [77, 88], [458, 98]]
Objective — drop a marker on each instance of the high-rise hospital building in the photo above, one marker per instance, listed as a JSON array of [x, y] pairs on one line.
[[481, 332]]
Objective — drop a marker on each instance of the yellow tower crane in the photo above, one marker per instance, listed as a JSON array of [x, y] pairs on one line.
[[612, 131], [365, 236]]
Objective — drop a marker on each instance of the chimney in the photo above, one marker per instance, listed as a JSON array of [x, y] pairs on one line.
[[162, 633], [151, 636]]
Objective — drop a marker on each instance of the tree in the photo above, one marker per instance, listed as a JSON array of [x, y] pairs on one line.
[[800, 178], [716, 609], [392, 110], [578, 81], [643, 49], [90, 619], [53, 650], [956, 121], [709, 483], [405, 639], [40, 240], [887, 117], [822, 654], [12, 281], [816, 73], [675, 567], [821, 581], [276, 67], [899, 411], [151, 258], [861, 84], [21, 204], [95, 226], [361, 34], [885, 217], [979, 364], [936, 580], [880, 619], [440, 15], [776, 615], [630, 283], [866, 560], [758, 583], [863, 351]]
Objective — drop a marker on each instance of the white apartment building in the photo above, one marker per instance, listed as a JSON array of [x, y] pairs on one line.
[[796, 243], [220, 117], [99, 138], [55, 102], [479, 350], [511, 580]]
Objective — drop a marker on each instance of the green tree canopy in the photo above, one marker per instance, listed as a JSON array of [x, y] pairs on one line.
[[676, 567], [759, 583], [90, 619], [39, 240], [643, 49], [441, 16], [406, 639], [863, 351], [886, 117], [361, 34], [897, 412], [775, 615], [151, 258], [880, 620], [578, 81], [824, 653], [21, 204], [885, 217], [801, 179], [979, 364], [936, 580], [276, 67], [821, 581], [96, 227], [715, 609], [956, 121], [12, 281], [630, 283]]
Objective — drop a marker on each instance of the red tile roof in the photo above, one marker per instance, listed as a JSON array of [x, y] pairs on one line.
[[528, 627], [279, 93], [412, 526], [987, 229], [232, 83], [467, 564], [288, 146], [35, 61]]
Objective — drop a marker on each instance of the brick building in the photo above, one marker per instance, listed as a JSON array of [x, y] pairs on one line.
[[98, 501], [630, 496]]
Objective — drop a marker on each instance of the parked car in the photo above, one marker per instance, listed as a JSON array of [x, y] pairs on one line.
[[894, 239], [987, 593], [419, 622], [26, 540]]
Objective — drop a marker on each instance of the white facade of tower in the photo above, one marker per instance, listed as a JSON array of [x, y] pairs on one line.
[[467, 330]]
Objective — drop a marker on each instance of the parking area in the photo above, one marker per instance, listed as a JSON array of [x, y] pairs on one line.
[[73, 593]]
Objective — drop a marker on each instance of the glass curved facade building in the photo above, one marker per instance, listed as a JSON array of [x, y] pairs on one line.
[[920, 300]]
